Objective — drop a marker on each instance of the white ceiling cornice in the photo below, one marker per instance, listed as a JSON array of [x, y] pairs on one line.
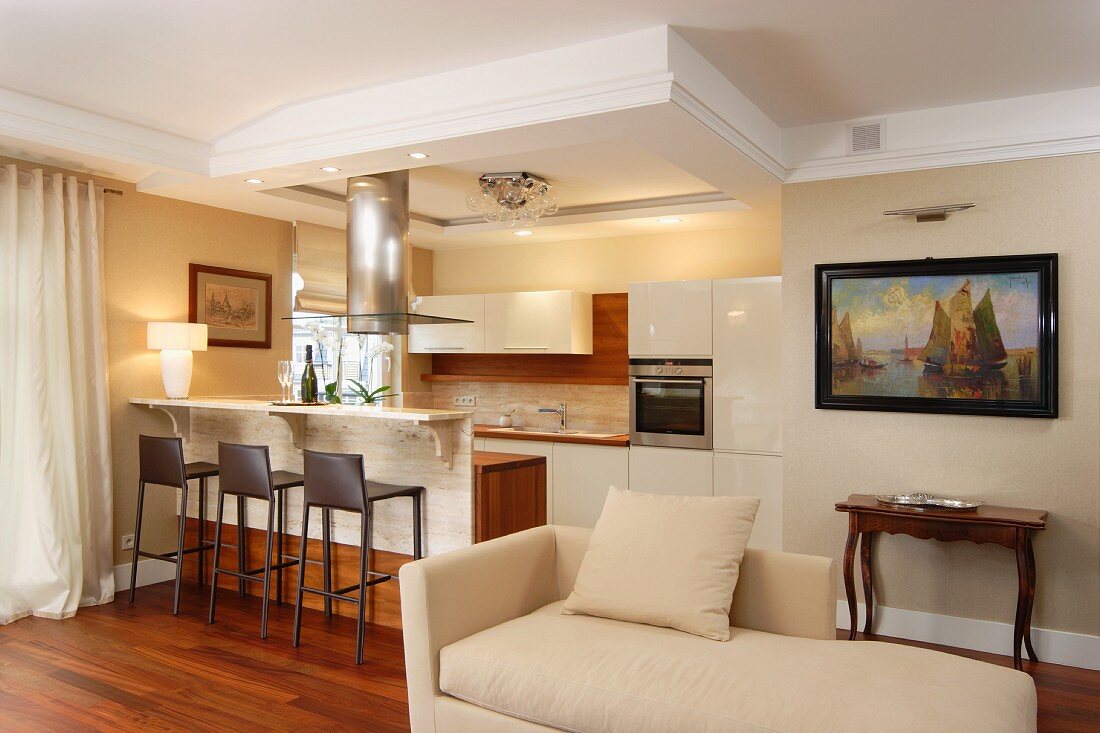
[[28, 119], [1042, 125]]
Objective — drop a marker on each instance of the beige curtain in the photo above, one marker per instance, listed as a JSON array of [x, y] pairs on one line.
[[55, 470]]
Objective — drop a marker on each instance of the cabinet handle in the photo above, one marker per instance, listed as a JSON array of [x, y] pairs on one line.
[[527, 347], [444, 348]]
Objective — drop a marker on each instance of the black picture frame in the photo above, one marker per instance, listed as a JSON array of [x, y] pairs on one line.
[[1045, 402]]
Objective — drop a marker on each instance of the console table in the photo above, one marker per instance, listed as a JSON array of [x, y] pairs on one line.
[[1005, 526]]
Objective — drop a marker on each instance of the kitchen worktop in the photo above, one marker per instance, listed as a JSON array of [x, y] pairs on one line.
[[494, 431], [491, 462], [377, 412]]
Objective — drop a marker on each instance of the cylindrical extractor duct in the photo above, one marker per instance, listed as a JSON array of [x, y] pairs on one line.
[[378, 252]]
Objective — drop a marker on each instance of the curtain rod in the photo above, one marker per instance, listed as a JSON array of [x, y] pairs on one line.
[[112, 191]]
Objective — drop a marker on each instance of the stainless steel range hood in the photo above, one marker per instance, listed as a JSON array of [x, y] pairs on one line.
[[379, 256]]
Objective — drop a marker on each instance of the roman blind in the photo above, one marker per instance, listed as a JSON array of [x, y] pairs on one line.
[[320, 259]]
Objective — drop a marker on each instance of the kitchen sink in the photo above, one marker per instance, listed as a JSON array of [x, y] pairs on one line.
[[544, 431]]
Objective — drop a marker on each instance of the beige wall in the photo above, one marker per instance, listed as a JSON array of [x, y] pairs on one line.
[[1022, 207], [608, 265], [148, 243]]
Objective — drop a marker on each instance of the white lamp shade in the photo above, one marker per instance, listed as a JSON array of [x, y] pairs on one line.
[[183, 336]]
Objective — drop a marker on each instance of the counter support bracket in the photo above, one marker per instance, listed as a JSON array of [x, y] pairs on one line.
[[442, 433], [180, 417], [297, 423]]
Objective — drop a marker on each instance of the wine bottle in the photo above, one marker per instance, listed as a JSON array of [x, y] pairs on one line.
[[309, 379]]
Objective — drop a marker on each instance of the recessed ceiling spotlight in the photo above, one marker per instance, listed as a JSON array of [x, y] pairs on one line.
[[523, 232], [418, 156], [669, 220], [330, 169], [253, 180]]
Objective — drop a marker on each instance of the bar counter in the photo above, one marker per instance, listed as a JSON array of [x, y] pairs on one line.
[[431, 448]]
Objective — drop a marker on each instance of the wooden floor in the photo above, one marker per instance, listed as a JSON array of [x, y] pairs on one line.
[[120, 667]]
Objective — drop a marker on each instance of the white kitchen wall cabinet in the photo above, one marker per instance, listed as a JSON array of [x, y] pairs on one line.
[[451, 338], [582, 475], [678, 471], [544, 322], [669, 318], [528, 448], [745, 474], [748, 386]]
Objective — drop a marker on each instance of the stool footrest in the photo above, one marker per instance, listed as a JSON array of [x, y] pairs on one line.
[[340, 595]]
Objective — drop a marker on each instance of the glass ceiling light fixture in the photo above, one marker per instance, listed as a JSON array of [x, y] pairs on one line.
[[512, 198]]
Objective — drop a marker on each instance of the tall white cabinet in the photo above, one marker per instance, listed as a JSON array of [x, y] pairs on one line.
[[670, 318], [748, 399]]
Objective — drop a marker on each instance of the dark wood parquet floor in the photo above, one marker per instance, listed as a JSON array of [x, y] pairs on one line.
[[120, 667]]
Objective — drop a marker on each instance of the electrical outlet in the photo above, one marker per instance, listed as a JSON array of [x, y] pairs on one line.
[[466, 401], [127, 542]]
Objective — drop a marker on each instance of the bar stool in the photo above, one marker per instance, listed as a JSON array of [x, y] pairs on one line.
[[161, 463], [337, 481], [246, 474]]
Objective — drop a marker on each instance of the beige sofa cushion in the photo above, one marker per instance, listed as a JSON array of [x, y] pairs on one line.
[[665, 560], [580, 673]]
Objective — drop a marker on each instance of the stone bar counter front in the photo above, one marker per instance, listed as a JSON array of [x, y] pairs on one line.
[[425, 447]]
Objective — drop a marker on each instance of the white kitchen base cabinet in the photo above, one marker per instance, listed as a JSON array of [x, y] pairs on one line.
[[677, 471], [743, 474], [529, 448], [582, 475]]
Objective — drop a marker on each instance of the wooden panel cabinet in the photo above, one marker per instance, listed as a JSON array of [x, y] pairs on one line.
[[451, 338], [509, 494], [544, 322], [532, 447]]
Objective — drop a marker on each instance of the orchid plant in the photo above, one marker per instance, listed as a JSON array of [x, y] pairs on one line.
[[363, 391]]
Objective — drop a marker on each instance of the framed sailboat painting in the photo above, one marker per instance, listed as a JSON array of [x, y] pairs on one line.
[[974, 335]]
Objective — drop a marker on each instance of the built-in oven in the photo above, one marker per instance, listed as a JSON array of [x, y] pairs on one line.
[[670, 403]]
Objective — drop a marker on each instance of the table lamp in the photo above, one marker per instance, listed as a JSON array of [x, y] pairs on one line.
[[176, 341]]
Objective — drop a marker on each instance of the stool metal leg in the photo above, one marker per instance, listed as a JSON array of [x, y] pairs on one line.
[[179, 550], [242, 542], [280, 512], [326, 558], [366, 543], [137, 540], [202, 531], [271, 512], [417, 548], [217, 555], [301, 575], [364, 591]]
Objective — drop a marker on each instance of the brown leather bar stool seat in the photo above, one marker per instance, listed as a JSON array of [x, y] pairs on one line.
[[337, 481], [246, 474], [161, 463]]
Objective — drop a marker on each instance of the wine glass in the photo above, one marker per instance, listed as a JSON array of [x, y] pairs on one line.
[[286, 379]]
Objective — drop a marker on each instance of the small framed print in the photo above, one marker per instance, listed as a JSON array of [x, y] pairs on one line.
[[235, 305], [974, 336]]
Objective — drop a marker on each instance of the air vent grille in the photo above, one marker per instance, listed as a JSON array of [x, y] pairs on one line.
[[866, 137]]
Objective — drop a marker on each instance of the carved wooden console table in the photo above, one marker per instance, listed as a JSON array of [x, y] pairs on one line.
[[1005, 526]]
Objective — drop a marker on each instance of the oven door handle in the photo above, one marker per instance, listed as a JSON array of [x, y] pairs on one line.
[[662, 380]]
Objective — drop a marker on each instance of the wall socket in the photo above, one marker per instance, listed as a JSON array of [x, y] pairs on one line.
[[466, 401], [127, 542]]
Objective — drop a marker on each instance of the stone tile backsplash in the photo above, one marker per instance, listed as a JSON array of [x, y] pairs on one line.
[[595, 408]]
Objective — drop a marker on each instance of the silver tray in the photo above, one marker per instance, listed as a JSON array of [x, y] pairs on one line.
[[926, 501], [300, 404]]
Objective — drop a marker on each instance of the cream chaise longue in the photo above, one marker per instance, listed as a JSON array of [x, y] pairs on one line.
[[487, 649]]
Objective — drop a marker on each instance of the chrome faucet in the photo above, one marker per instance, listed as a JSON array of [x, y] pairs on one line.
[[560, 412]]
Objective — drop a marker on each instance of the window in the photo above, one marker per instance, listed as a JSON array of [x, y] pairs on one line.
[[324, 333]]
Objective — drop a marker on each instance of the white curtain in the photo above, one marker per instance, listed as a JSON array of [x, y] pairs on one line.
[[55, 464]]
